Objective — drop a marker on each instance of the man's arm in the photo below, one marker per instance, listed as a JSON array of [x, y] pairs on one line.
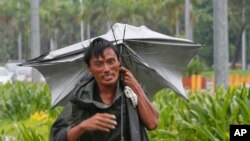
[[98, 122], [62, 129], [147, 112]]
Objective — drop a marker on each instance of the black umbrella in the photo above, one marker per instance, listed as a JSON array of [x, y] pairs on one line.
[[156, 60]]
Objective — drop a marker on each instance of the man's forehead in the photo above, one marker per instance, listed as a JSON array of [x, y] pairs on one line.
[[107, 53], [102, 57]]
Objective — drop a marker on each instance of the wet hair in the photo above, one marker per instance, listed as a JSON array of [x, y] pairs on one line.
[[96, 49]]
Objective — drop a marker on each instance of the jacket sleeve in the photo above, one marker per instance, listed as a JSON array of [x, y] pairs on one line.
[[63, 123]]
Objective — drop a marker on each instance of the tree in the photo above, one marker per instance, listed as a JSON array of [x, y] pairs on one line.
[[221, 59], [203, 30], [35, 36], [240, 9], [35, 29], [13, 20], [60, 22], [188, 22]]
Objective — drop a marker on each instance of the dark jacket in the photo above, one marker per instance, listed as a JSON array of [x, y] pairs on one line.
[[83, 104]]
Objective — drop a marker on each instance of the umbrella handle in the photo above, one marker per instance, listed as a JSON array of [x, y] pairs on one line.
[[122, 105]]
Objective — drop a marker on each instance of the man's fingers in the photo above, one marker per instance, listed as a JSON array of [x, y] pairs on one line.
[[107, 115], [100, 128], [126, 72], [104, 116], [108, 119], [123, 69], [104, 122], [106, 125]]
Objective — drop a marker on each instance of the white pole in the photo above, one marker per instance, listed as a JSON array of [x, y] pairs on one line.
[[243, 43], [52, 44], [177, 28], [88, 31], [19, 40], [35, 29], [82, 24], [244, 63], [188, 22], [82, 31]]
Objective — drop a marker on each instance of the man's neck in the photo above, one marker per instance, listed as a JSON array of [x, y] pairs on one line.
[[107, 93]]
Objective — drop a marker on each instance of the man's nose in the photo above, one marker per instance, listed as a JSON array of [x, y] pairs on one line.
[[106, 68]]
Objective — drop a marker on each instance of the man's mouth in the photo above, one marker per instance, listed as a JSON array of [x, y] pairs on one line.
[[107, 77]]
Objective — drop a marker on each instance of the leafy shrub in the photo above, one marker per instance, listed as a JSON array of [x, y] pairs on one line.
[[205, 117], [19, 100], [196, 66], [25, 113]]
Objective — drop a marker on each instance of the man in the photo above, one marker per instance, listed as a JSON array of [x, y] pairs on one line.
[[98, 110]]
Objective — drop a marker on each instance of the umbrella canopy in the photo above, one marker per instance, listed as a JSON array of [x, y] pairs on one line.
[[156, 60]]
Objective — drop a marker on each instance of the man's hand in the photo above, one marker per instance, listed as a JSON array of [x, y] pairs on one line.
[[147, 112], [129, 78], [99, 122]]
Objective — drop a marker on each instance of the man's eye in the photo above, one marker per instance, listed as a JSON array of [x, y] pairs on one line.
[[98, 64], [111, 61]]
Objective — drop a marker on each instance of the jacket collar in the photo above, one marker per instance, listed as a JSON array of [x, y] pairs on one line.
[[84, 96]]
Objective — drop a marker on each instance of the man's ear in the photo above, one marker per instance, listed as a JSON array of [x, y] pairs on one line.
[[87, 67]]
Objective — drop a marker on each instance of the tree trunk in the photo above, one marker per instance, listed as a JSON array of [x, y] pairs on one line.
[[238, 48], [177, 28], [220, 35], [20, 50], [188, 21], [35, 36], [35, 29], [82, 23], [88, 31], [243, 43], [19, 38]]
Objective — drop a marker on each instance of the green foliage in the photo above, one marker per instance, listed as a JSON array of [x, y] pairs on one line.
[[29, 134], [203, 31], [27, 130], [25, 113], [205, 117], [210, 73], [196, 66], [60, 22], [19, 100]]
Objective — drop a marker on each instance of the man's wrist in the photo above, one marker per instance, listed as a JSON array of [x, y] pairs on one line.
[[82, 127]]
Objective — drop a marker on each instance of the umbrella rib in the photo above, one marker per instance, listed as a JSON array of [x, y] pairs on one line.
[[139, 63], [149, 53], [157, 53], [170, 85]]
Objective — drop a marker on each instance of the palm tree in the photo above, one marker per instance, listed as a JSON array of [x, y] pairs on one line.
[[35, 29], [35, 36], [221, 59]]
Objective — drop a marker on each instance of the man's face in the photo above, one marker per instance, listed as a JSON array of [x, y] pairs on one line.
[[105, 68]]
